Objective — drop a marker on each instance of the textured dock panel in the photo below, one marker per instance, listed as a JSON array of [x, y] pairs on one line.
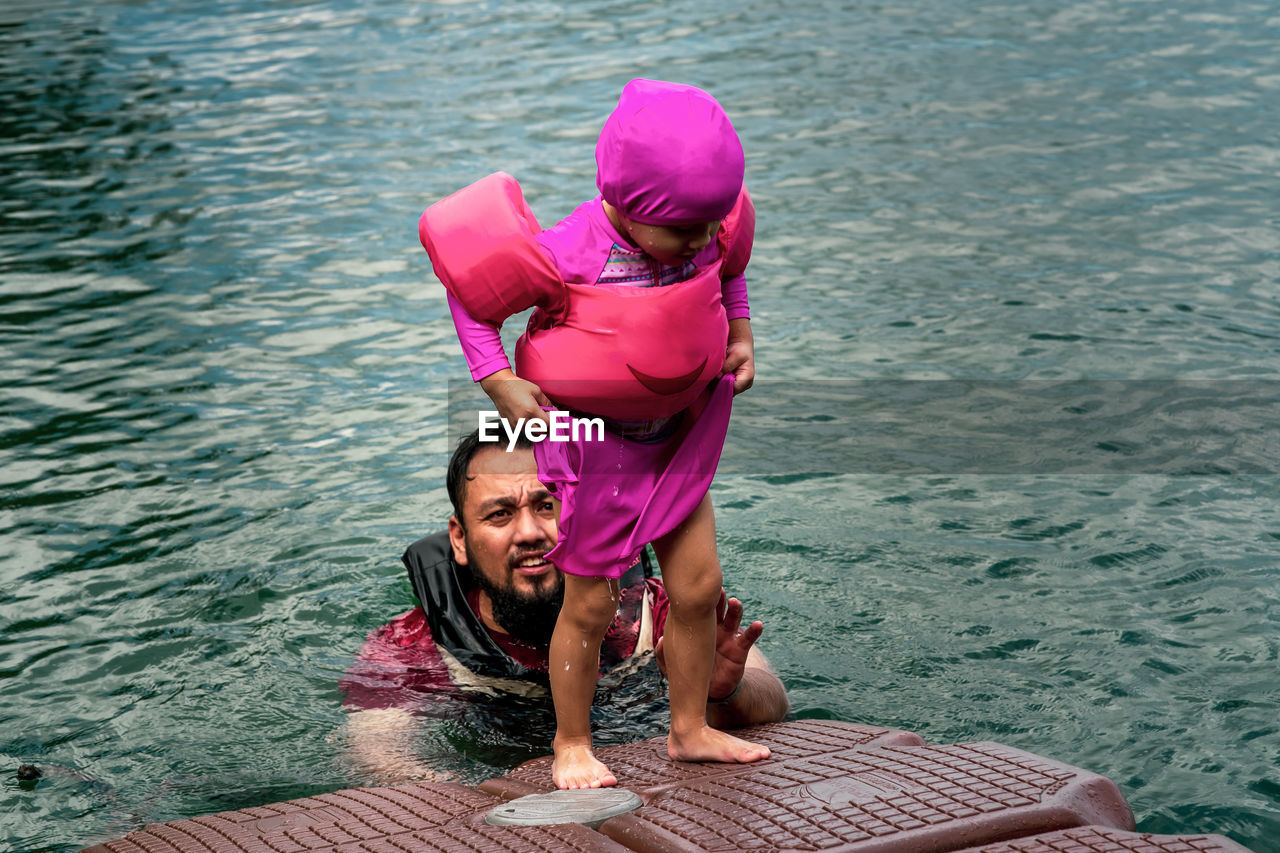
[[878, 800], [645, 768], [1098, 839], [425, 817], [829, 786]]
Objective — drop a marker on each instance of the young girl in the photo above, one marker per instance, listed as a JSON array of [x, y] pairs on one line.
[[641, 320]]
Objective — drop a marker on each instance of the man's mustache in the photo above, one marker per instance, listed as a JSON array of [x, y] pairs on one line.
[[539, 552]]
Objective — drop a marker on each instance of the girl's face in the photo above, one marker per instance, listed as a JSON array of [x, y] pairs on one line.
[[670, 245]]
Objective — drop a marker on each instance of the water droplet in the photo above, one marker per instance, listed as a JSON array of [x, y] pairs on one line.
[[566, 666], [584, 644], [615, 491]]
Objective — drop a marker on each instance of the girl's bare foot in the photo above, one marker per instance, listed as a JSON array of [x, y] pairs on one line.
[[708, 744], [576, 767]]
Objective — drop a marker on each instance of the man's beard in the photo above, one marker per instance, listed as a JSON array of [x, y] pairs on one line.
[[528, 618]]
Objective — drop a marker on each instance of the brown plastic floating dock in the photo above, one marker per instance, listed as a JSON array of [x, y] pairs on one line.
[[1099, 839], [829, 786], [426, 816], [644, 767]]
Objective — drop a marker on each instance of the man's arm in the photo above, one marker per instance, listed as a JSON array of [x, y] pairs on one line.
[[396, 668], [760, 697], [744, 689], [380, 745]]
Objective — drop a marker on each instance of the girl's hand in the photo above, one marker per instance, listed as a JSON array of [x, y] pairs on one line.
[[740, 355], [515, 398]]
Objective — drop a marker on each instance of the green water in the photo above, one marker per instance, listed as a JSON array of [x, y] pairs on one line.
[[227, 373]]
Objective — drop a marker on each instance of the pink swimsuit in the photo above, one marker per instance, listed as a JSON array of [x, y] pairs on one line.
[[623, 352]]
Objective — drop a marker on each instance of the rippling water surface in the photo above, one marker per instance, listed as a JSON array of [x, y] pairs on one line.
[[226, 372]]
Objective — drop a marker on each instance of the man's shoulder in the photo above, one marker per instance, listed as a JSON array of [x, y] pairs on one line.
[[429, 562], [429, 549], [398, 663]]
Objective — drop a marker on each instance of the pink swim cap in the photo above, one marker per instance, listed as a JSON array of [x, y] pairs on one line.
[[669, 156]]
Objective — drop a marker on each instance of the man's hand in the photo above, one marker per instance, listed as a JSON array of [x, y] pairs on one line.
[[733, 644]]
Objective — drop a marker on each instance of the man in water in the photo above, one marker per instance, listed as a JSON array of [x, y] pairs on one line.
[[488, 604]]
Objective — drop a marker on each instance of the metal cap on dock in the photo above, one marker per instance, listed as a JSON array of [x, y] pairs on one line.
[[589, 807]]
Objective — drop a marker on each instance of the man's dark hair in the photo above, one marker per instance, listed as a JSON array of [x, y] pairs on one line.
[[456, 479]]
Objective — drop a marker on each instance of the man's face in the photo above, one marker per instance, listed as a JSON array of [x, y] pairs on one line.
[[508, 526]]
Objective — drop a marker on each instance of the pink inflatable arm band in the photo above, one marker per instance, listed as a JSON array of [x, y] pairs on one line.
[[481, 244], [622, 352], [737, 233]]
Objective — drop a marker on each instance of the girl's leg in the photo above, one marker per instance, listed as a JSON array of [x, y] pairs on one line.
[[589, 606], [691, 574]]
